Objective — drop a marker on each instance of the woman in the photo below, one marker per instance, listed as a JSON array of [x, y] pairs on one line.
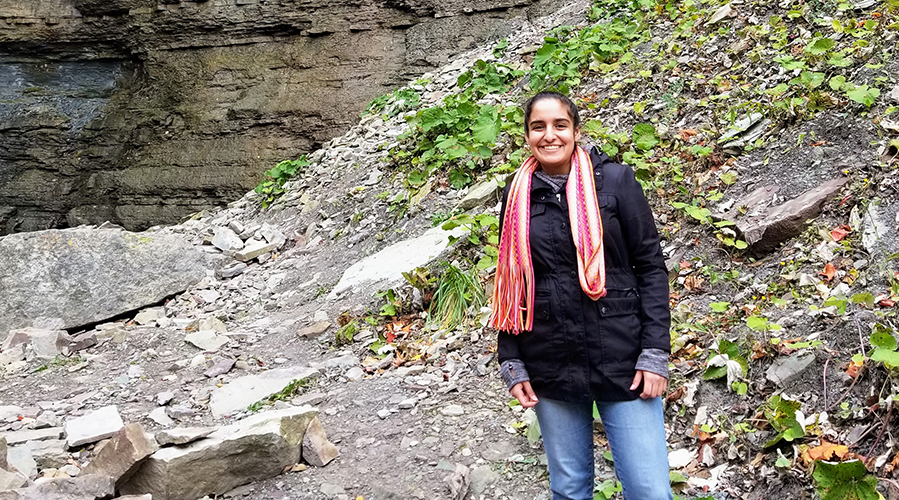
[[581, 303]]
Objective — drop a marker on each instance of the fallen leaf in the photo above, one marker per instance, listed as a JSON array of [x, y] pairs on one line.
[[676, 394], [887, 303], [853, 369], [829, 271], [825, 451], [693, 283], [687, 133], [758, 351], [840, 232]]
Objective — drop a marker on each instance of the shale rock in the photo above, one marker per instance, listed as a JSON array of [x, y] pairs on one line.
[[121, 456], [317, 450], [93, 426], [244, 391], [85, 276], [262, 444], [87, 487], [763, 227]]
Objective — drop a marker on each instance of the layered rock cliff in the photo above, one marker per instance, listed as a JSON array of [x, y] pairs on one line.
[[143, 111]]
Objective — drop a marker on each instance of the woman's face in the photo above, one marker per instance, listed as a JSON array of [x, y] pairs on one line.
[[551, 135]]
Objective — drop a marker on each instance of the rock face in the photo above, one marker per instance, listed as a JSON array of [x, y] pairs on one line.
[[262, 444], [140, 111], [83, 276]]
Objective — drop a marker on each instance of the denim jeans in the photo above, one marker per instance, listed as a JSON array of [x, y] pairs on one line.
[[636, 433]]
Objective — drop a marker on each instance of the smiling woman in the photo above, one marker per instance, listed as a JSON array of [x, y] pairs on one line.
[[552, 131], [581, 305]]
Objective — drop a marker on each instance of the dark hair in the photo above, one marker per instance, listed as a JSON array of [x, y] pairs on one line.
[[572, 109]]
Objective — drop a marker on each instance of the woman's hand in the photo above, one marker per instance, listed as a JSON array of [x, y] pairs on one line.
[[654, 385], [524, 394]]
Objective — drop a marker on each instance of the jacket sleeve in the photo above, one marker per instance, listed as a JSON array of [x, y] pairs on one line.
[[645, 253], [506, 343]]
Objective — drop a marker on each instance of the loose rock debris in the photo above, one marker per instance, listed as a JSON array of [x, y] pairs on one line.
[[418, 412]]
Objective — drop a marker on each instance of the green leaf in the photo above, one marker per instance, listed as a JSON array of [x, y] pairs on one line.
[[720, 306], [783, 462], [837, 82], [882, 339], [789, 63], [844, 481], [533, 433], [757, 322], [887, 357], [778, 90], [839, 60], [864, 95], [645, 136], [486, 127], [819, 46], [675, 477], [864, 298]]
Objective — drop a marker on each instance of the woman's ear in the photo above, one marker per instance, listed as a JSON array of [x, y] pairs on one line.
[[577, 134]]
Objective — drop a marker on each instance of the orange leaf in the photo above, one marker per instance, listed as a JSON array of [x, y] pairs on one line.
[[887, 303], [853, 369], [687, 133], [829, 271], [826, 451], [840, 232]]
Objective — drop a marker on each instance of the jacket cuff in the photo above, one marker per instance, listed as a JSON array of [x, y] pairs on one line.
[[653, 360], [656, 338], [513, 372]]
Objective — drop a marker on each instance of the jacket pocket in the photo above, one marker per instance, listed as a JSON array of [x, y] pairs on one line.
[[618, 306], [621, 332]]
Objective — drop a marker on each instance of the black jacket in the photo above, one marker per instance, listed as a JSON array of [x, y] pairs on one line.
[[582, 349]]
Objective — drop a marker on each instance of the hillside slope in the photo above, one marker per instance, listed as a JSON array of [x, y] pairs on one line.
[[763, 135]]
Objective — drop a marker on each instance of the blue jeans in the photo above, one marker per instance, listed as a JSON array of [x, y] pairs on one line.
[[636, 432]]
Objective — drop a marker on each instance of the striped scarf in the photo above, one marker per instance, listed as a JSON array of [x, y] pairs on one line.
[[513, 293]]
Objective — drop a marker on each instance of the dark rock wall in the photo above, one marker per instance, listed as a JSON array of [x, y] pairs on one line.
[[141, 112]]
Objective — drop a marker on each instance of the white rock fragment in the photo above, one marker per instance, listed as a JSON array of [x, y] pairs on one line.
[[93, 426]]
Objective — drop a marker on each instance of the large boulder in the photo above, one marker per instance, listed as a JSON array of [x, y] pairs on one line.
[[84, 275], [255, 448]]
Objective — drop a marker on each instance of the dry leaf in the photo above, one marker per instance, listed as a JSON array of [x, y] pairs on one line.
[[693, 283], [687, 133], [840, 232], [826, 451], [829, 271]]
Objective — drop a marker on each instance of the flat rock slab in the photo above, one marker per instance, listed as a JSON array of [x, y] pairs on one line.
[[207, 340], [388, 265], [85, 276], [240, 393], [16, 437], [86, 487], [263, 444], [121, 456], [783, 371], [481, 193], [182, 435], [314, 329], [764, 228], [92, 427]]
